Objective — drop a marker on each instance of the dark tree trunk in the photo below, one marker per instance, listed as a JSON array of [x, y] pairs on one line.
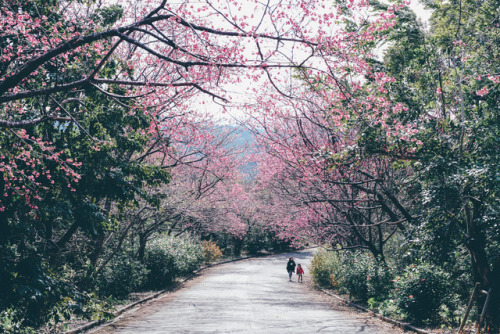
[[61, 243], [101, 237], [143, 239], [4, 221], [493, 313], [98, 248], [489, 279], [238, 246]]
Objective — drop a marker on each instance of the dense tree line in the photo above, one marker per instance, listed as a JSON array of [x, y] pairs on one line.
[[102, 153], [106, 146], [400, 154]]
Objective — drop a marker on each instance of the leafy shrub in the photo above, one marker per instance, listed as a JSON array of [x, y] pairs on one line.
[[10, 322], [81, 306], [421, 291], [160, 263], [388, 308], [168, 257], [323, 268], [365, 278], [211, 252], [188, 255], [356, 273], [257, 239], [353, 276], [379, 281], [121, 276], [97, 309]]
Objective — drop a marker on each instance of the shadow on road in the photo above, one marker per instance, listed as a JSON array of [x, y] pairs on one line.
[[250, 296]]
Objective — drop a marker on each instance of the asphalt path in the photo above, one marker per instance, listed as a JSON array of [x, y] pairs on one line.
[[250, 296]]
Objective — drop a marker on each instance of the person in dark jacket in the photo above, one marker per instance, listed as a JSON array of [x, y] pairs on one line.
[[290, 267]]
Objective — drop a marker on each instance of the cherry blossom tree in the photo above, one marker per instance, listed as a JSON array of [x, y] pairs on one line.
[[102, 104], [198, 197], [331, 144], [343, 192], [400, 139], [53, 57], [153, 59]]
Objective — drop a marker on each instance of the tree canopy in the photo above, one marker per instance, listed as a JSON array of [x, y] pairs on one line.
[[372, 130]]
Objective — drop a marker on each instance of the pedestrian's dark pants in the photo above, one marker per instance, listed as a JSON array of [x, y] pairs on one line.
[[290, 275]]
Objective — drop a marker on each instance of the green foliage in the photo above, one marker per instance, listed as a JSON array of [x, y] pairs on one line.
[[388, 308], [28, 285], [108, 15], [420, 291], [10, 323], [168, 257], [324, 268], [121, 276], [354, 274], [95, 308], [423, 293], [83, 306], [451, 71], [257, 239], [379, 281]]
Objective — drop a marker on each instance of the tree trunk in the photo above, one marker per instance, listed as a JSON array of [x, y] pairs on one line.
[[101, 237], [238, 246], [493, 312], [489, 279], [61, 243], [98, 248], [143, 239], [4, 221]]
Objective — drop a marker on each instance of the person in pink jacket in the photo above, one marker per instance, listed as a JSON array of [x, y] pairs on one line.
[[300, 272]]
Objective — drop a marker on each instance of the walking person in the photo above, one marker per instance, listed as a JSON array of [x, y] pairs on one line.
[[290, 267], [300, 272]]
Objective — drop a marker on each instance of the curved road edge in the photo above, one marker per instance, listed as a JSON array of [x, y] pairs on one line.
[[173, 288], [402, 325], [179, 285]]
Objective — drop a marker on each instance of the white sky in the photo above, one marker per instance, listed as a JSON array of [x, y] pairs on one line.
[[240, 92], [422, 13]]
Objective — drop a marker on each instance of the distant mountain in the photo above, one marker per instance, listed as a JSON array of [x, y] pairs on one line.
[[243, 139]]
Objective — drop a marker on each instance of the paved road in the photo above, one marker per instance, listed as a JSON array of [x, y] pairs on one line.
[[251, 296]]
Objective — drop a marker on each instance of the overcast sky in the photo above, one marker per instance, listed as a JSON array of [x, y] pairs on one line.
[[240, 92]]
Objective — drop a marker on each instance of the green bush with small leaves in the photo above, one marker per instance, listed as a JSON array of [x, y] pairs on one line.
[[12, 323], [323, 269], [379, 281], [420, 292], [357, 273], [121, 276], [168, 257], [353, 275]]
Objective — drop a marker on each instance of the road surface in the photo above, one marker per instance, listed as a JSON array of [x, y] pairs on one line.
[[250, 296]]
